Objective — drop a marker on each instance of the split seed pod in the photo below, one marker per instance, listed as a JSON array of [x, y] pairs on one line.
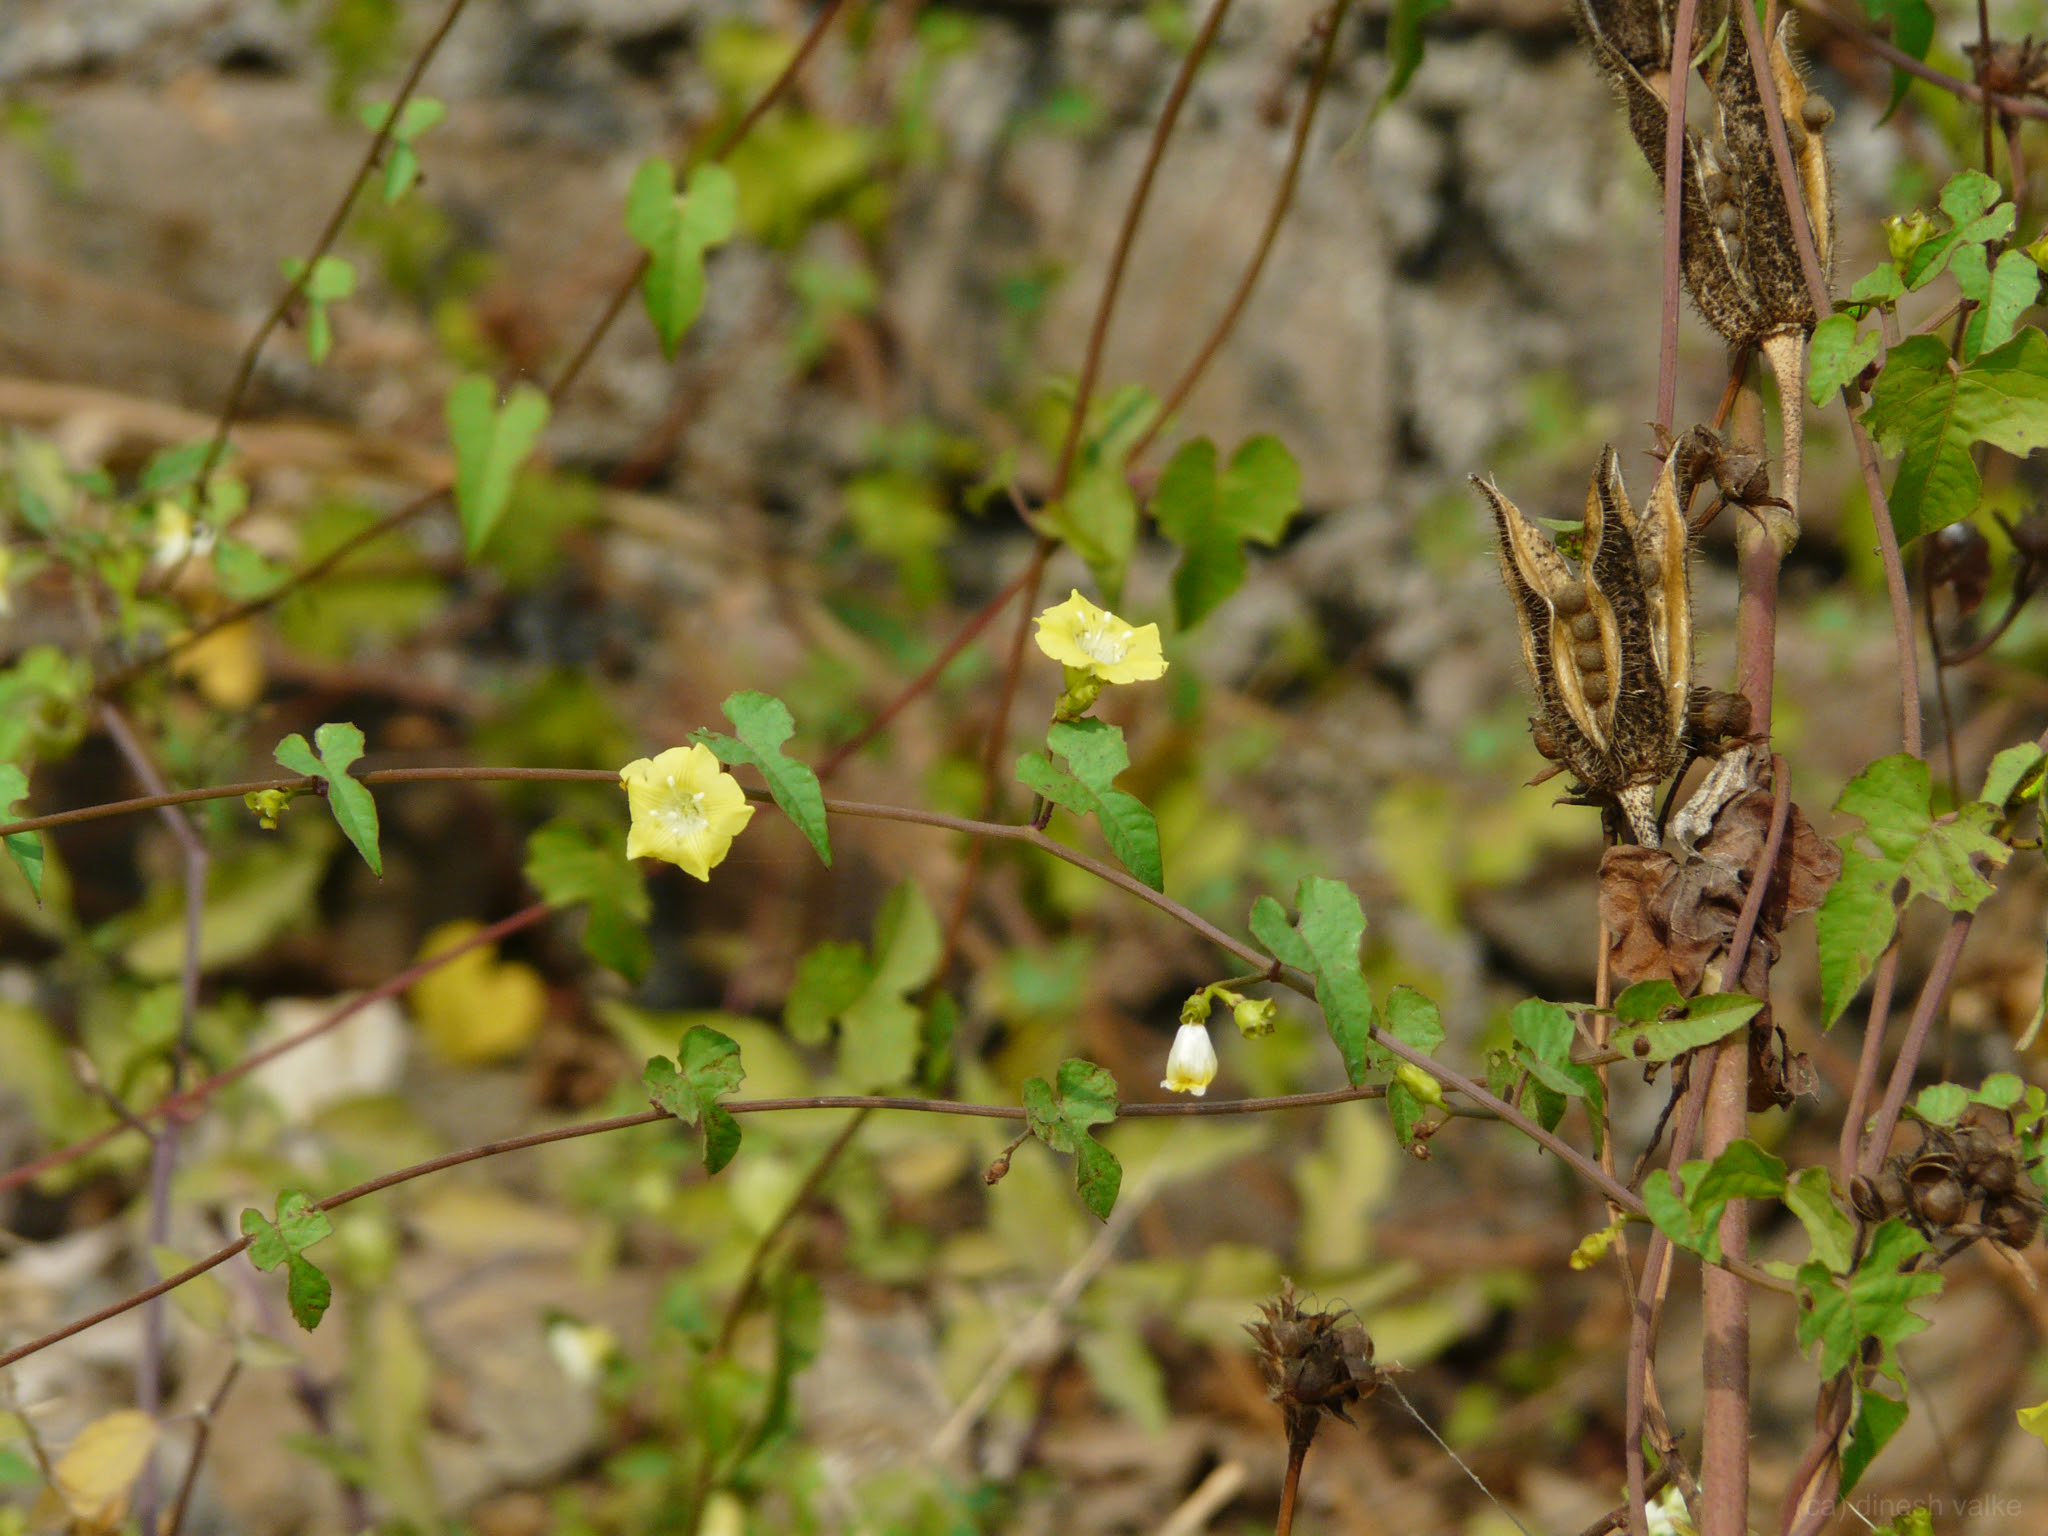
[[1608, 646], [1736, 242]]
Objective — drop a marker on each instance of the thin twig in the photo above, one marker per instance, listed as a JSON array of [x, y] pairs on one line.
[[1933, 993], [1863, 37], [163, 1151], [1674, 188], [1283, 198], [1112, 283], [174, 1108], [201, 1434], [245, 369]]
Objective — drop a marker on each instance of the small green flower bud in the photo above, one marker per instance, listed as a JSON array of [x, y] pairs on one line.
[[268, 804], [1907, 233], [1255, 1016], [1419, 1083], [1083, 690], [1196, 1009]]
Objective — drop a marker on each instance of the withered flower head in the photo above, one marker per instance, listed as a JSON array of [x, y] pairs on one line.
[[1608, 646], [1314, 1362], [1740, 255]]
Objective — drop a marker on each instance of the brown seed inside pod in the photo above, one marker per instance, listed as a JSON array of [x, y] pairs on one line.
[[1891, 1187], [1586, 627], [1650, 570], [1544, 740], [1940, 1201], [1716, 187], [1816, 112], [1728, 218], [1589, 657], [1594, 686], [1570, 598], [1736, 254]]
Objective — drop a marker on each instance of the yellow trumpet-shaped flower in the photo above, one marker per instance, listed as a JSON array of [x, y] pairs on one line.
[[686, 809], [1094, 641], [1191, 1064]]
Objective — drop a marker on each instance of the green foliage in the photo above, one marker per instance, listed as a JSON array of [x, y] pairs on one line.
[[1930, 412], [794, 168], [491, 442], [689, 1087], [1900, 840], [1873, 1302], [1838, 353], [1095, 751], [1542, 1052], [1404, 44], [25, 848], [1212, 517], [2016, 774], [1946, 1103], [1878, 1418], [1411, 1019], [1910, 24], [570, 865], [285, 1241], [675, 230], [1689, 1210], [1059, 1114], [881, 1032], [331, 280], [1670, 1025], [354, 810], [44, 701], [1098, 517], [764, 724], [1324, 942], [401, 157]]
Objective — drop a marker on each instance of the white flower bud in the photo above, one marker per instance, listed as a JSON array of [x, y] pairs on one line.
[[1191, 1064]]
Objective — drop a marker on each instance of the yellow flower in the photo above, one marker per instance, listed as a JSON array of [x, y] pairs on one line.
[[1094, 641], [686, 809], [1191, 1064]]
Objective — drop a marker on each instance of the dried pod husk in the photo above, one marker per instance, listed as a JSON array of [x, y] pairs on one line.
[[1314, 1362], [2013, 1221], [1736, 241], [1864, 1198], [1939, 1198], [1609, 646]]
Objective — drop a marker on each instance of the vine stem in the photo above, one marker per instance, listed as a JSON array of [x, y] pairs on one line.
[[1674, 189], [1283, 198], [175, 1107], [380, 142], [1864, 38], [1444, 1074], [1112, 284], [163, 1149]]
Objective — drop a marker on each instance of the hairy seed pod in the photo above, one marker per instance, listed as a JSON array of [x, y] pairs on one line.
[[1609, 646], [1795, 136]]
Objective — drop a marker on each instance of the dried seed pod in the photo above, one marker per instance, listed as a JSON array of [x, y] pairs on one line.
[[1314, 1362], [1609, 646], [1747, 288], [1939, 1201], [2013, 1222], [1891, 1188], [1865, 1200]]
